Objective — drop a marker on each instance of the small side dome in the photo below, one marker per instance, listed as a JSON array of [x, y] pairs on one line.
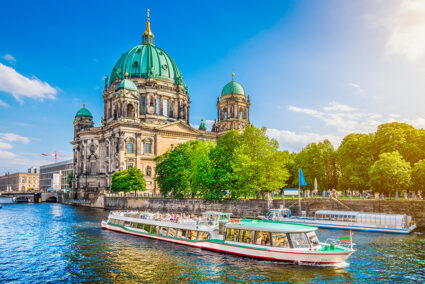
[[202, 126], [233, 87], [126, 85], [83, 112]]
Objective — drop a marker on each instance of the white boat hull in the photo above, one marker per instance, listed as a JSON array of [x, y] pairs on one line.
[[274, 254]]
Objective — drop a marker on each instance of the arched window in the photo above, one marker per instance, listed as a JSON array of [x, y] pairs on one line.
[[143, 99], [158, 106], [130, 111], [92, 148], [130, 148], [148, 171], [165, 107]]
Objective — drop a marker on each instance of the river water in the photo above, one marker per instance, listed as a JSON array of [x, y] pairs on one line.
[[57, 243]]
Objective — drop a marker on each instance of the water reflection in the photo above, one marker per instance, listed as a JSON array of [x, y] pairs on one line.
[[42, 242]]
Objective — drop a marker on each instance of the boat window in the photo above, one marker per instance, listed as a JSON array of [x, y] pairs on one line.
[[232, 234], [171, 232], [134, 225], [221, 228], [147, 228], [262, 238], [181, 234], [120, 222], [163, 231], [140, 226], [299, 240], [203, 236], [314, 241], [113, 221], [191, 235], [126, 224], [155, 230], [246, 236], [280, 240]]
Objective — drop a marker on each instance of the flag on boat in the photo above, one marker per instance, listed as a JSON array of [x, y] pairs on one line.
[[345, 238], [302, 180]]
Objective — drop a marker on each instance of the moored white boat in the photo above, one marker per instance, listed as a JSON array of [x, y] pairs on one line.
[[215, 231], [347, 220]]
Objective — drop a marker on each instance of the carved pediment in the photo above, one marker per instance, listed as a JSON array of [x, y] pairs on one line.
[[179, 126]]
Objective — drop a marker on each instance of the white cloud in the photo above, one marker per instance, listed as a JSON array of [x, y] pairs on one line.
[[407, 30], [345, 119], [209, 123], [292, 141], [20, 86], [9, 58], [12, 137], [3, 104], [356, 87], [6, 155], [4, 145]]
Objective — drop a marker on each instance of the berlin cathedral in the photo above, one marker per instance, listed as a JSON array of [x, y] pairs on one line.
[[146, 113]]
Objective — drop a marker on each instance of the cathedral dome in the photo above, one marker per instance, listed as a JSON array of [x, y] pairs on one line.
[[233, 87], [83, 112], [127, 85]]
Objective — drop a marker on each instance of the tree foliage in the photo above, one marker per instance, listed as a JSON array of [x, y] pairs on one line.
[[128, 180], [418, 176], [390, 173], [69, 178]]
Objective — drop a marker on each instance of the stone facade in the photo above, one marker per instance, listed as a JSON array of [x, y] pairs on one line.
[[19, 182]]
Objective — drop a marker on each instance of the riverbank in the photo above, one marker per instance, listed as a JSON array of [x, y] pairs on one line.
[[251, 208]]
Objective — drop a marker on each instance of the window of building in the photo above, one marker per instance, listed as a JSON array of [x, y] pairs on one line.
[[263, 238], [165, 107], [92, 148], [130, 111], [148, 147], [158, 106], [93, 168], [143, 105], [130, 148], [130, 165], [148, 171], [280, 240]]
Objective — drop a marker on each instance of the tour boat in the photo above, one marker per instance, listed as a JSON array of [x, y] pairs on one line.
[[347, 220], [260, 239]]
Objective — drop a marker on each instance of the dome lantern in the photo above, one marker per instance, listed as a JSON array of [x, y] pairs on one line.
[[148, 35]]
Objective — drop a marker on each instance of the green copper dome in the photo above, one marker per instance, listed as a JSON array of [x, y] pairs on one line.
[[146, 61], [83, 112], [233, 87], [202, 126], [127, 85]]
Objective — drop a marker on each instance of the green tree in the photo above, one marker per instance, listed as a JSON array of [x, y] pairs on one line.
[[128, 180], [257, 163], [318, 160], [181, 170], [418, 176], [401, 137], [69, 178], [390, 173], [355, 157]]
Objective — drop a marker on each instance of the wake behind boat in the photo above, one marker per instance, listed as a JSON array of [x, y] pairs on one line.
[[347, 220], [215, 231]]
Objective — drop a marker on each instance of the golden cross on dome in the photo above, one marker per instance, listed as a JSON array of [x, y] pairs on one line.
[[233, 76], [84, 105], [148, 14]]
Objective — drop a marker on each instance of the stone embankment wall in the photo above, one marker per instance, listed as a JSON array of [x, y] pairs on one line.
[[254, 207]]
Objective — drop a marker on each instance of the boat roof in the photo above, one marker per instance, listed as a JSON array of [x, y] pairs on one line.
[[215, 213], [353, 213], [270, 226]]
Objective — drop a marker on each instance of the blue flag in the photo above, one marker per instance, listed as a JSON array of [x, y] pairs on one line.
[[301, 180]]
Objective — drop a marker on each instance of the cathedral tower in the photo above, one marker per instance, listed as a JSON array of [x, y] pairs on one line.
[[232, 108]]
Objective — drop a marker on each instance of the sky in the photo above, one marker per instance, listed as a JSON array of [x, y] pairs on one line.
[[314, 70]]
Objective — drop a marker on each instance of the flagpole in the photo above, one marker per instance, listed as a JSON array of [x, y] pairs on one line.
[[299, 190]]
